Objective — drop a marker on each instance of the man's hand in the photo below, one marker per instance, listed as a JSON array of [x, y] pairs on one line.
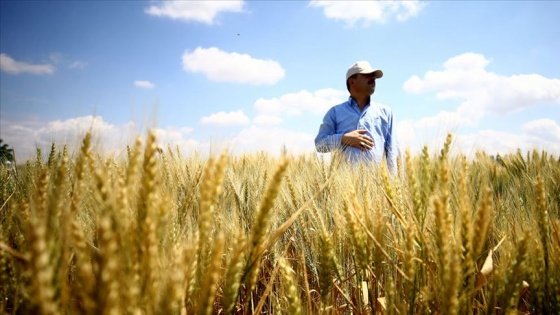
[[358, 139]]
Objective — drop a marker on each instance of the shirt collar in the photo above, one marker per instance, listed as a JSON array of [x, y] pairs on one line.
[[353, 102]]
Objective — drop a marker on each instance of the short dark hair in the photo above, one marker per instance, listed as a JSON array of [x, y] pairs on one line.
[[350, 77]]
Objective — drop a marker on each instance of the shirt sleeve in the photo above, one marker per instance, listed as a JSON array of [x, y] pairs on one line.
[[327, 139], [391, 146]]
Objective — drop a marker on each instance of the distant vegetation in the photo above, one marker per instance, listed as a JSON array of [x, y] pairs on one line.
[[160, 233], [6, 154]]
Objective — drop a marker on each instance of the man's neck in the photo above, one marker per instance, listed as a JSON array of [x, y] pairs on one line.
[[362, 101]]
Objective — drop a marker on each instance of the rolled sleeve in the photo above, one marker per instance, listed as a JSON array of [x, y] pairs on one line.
[[391, 146], [327, 140]]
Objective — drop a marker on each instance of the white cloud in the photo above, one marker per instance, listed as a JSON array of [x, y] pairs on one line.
[[113, 139], [444, 119], [267, 120], [409, 9], [144, 84], [493, 142], [176, 138], [366, 12], [235, 118], [546, 129], [198, 11], [272, 141], [414, 135], [465, 78], [317, 102], [223, 66], [542, 134], [26, 136], [405, 133], [9, 65]]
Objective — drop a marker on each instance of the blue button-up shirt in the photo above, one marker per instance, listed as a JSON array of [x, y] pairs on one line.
[[376, 119]]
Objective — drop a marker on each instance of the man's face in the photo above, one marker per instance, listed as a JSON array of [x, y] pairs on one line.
[[365, 83]]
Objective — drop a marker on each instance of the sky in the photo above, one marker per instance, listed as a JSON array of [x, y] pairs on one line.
[[252, 76]]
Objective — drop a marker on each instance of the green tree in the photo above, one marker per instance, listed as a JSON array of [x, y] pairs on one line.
[[6, 154]]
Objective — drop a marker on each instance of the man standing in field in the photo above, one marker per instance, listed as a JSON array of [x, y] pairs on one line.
[[361, 129]]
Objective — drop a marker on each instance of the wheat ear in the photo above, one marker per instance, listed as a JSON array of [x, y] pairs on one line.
[[212, 276], [261, 226], [233, 274], [41, 269], [482, 222], [290, 287]]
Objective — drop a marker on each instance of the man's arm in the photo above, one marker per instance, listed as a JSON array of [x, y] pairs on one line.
[[391, 146], [327, 139]]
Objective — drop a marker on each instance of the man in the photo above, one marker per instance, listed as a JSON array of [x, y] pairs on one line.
[[361, 129]]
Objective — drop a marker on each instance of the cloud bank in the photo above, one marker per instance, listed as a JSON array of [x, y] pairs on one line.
[[465, 78], [480, 93], [27, 136]]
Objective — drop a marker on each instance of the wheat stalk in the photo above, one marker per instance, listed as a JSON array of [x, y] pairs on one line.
[[261, 226]]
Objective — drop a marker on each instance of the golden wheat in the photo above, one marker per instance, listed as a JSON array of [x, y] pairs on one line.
[[155, 232]]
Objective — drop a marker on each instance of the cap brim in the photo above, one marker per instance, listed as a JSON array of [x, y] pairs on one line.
[[378, 73]]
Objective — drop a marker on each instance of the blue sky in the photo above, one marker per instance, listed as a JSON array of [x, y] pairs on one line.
[[259, 75]]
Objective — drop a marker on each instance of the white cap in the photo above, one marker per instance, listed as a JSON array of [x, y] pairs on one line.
[[363, 67]]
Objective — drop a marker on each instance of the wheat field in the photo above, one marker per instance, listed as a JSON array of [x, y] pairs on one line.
[[154, 232]]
